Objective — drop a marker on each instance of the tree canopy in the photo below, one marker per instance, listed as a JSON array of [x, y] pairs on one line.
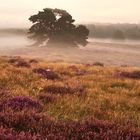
[[55, 25]]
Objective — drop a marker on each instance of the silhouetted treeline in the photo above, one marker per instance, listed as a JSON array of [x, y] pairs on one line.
[[115, 31]]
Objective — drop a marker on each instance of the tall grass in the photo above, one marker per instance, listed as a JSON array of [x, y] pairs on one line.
[[62, 108]]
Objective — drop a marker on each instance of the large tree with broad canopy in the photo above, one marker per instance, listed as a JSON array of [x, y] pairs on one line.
[[55, 25]]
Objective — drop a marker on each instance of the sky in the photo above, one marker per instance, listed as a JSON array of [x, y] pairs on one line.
[[15, 13]]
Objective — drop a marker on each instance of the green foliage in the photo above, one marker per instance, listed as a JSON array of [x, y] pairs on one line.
[[57, 25]]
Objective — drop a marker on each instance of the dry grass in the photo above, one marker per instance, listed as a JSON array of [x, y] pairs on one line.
[[106, 96]]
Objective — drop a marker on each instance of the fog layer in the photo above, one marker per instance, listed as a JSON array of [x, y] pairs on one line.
[[105, 51]]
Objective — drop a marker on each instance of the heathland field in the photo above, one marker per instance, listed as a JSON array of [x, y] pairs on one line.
[[55, 100]]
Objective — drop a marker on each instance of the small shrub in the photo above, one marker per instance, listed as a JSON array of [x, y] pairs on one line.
[[77, 71], [77, 130], [27, 121], [18, 62], [81, 72], [46, 98], [20, 103], [98, 64], [73, 67], [46, 73], [64, 89], [22, 63], [33, 61], [10, 134], [13, 60], [95, 64], [133, 75]]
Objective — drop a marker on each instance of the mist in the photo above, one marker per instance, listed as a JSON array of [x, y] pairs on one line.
[[107, 51]]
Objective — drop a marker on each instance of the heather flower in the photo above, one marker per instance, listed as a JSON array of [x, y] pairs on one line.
[[36, 123], [46, 73], [20, 103], [22, 63], [64, 89], [19, 62], [133, 75], [77, 71], [10, 134], [27, 121], [4, 94]]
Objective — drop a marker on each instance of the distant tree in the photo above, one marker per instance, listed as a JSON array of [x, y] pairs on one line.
[[55, 25], [118, 35]]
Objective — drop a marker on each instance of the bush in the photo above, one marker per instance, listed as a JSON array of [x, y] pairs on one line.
[[73, 67], [22, 63], [98, 64], [64, 89], [18, 62], [133, 75], [46, 98], [81, 72], [88, 129], [20, 103], [33, 61], [27, 121], [46, 73], [10, 134], [77, 71], [13, 60]]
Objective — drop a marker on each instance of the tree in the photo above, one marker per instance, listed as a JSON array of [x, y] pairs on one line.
[[55, 25], [118, 35]]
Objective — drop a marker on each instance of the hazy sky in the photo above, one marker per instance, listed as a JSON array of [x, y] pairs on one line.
[[15, 13]]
